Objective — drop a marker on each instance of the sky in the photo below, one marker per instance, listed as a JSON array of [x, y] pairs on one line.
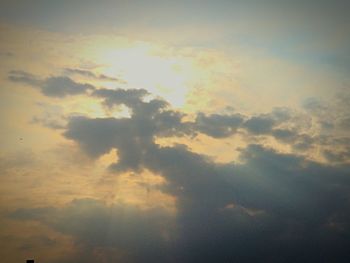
[[174, 131]]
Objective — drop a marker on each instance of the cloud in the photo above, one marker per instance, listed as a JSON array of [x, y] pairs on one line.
[[218, 126], [338, 156], [52, 116], [313, 104], [259, 125], [155, 118], [62, 86], [137, 234], [121, 96], [273, 204], [331, 115], [133, 137], [31, 214], [140, 102], [17, 161], [284, 134], [56, 86], [90, 74], [283, 207], [23, 77], [214, 125]]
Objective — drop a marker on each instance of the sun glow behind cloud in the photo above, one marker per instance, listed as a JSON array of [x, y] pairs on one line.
[[139, 65], [106, 167]]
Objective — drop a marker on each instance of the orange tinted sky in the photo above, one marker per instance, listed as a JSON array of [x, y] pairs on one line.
[[173, 132]]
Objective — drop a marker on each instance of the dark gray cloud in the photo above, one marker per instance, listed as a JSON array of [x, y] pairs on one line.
[[56, 86], [259, 124], [218, 126], [284, 125], [298, 141], [155, 112], [134, 136], [280, 206], [62, 86], [339, 156], [121, 96], [284, 134], [214, 125], [267, 124], [283, 207], [155, 118]]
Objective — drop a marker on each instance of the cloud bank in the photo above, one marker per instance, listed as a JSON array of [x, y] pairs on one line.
[[270, 206]]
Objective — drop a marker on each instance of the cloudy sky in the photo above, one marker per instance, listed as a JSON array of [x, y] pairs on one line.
[[174, 131]]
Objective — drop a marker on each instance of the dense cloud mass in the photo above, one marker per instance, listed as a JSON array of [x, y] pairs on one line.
[[270, 207], [281, 123]]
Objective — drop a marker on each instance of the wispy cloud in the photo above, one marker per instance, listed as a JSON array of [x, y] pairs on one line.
[[56, 86], [90, 74]]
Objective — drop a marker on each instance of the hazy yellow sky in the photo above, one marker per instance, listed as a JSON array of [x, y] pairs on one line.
[[153, 130]]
